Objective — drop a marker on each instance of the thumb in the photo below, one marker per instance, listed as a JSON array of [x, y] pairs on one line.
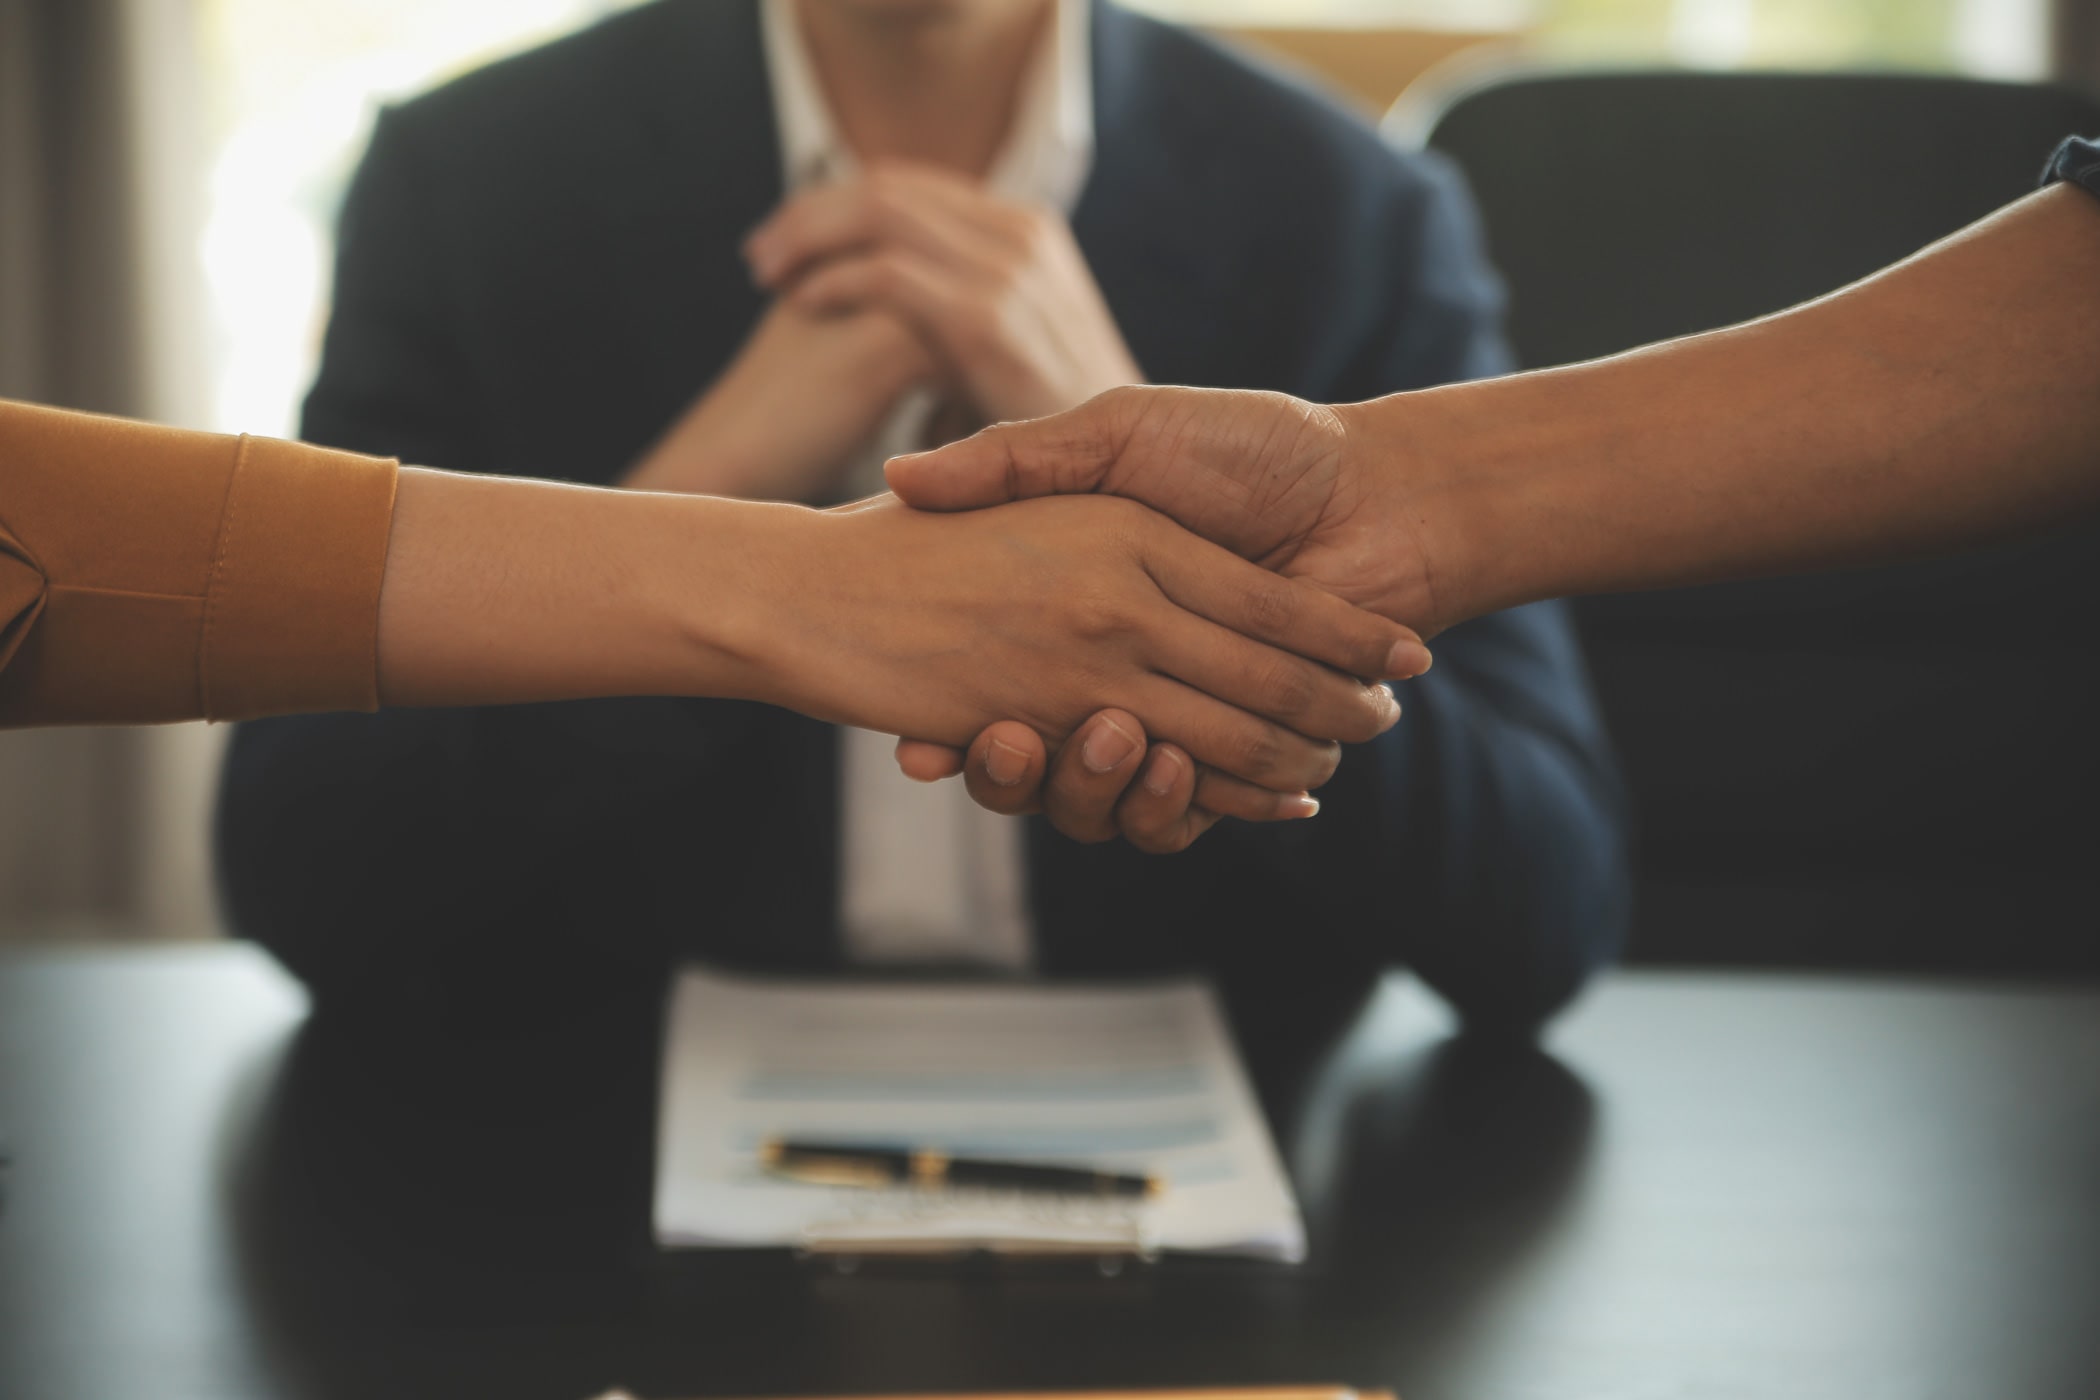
[[1065, 454]]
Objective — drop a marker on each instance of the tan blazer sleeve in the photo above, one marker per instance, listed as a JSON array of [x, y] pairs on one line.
[[148, 574]]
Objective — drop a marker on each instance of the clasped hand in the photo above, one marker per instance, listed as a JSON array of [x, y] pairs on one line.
[[997, 292], [1045, 611], [911, 277], [1276, 480]]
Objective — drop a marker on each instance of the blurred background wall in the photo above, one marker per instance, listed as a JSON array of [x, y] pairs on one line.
[[101, 141], [168, 177]]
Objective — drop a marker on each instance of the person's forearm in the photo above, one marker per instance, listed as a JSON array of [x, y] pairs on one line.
[[498, 591], [1951, 399], [876, 616]]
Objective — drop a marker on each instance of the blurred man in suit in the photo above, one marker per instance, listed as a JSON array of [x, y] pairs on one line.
[[751, 246]]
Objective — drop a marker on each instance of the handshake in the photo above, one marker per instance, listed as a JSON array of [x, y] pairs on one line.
[[1191, 643], [1212, 604], [1185, 599], [912, 291]]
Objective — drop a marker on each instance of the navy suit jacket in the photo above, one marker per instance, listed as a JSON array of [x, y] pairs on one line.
[[538, 269]]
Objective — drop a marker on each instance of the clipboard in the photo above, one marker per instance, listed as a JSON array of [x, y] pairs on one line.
[[1137, 1078]]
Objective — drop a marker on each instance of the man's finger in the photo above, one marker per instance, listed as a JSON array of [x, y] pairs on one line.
[[925, 762], [1092, 771], [1064, 454], [825, 221], [1227, 796], [1226, 737], [1301, 695], [1213, 582], [899, 281], [897, 207], [918, 188], [938, 306], [1158, 814], [1004, 771]]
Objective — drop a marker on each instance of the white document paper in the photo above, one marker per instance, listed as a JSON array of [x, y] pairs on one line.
[[1125, 1078]]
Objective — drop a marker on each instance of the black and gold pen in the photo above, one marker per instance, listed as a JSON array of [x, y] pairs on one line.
[[860, 1164]]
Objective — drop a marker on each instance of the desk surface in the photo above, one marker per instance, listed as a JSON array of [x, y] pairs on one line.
[[1717, 1186]]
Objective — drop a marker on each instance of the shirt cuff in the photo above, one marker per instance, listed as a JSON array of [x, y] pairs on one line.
[[291, 615], [2078, 161]]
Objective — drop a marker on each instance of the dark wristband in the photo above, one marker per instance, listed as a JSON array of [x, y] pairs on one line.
[[2078, 161]]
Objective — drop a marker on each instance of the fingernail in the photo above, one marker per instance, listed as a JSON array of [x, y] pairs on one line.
[[1292, 809], [1407, 660], [1392, 708], [1162, 773], [1004, 764], [1106, 747]]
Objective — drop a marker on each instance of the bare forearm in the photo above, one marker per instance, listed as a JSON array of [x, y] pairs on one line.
[[1951, 399], [500, 591]]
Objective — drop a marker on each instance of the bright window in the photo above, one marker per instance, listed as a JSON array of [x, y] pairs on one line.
[[295, 87]]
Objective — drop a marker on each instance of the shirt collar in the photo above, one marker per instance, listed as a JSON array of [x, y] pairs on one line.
[[1047, 156]]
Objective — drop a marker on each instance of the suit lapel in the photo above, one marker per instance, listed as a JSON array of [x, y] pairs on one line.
[[1140, 220], [710, 171]]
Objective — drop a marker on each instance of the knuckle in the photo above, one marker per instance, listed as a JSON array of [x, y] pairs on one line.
[[1258, 752], [1015, 226], [1365, 724], [1125, 519], [1357, 640], [1373, 647], [1038, 230], [1004, 287], [1289, 688], [977, 328], [1364, 717], [1100, 617], [1272, 607], [1128, 529], [1327, 759]]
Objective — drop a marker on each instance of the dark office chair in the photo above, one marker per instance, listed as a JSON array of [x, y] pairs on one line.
[[1892, 768]]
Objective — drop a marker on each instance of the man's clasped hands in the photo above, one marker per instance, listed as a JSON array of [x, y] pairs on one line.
[[1191, 634]]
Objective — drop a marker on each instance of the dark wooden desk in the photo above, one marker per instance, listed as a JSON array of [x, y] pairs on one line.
[[1722, 1187]]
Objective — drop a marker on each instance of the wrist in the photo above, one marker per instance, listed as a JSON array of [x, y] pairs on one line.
[[1484, 481], [1408, 455], [715, 580]]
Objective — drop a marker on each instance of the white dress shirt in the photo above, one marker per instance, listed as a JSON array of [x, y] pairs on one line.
[[926, 875]]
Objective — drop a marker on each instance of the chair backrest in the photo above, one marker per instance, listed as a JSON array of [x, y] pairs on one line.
[[1368, 66], [1885, 768]]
